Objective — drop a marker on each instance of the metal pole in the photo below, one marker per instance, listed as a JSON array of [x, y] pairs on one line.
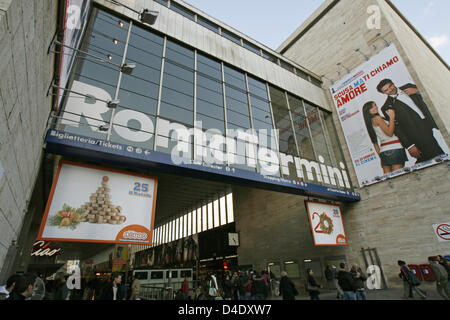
[[119, 81]]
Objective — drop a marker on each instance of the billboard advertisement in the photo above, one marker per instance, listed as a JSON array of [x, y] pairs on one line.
[[387, 124], [91, 204], [327, 225]]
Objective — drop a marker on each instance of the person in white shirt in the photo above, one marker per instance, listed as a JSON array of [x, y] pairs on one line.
[[414, 123], [381, 133]]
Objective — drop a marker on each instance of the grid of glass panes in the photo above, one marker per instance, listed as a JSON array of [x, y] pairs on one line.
[[193, 79], [211, 215]]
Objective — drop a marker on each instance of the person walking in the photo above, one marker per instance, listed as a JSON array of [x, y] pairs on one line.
[[135, 287], [185, 288], [359, 277], [410, 282], [311, 285], [346, 282], [236, 284], [339, 292], [259, 288], [62, 292], [112, 291], [441, 277], [329, 277], [227, 287], [287, 287]]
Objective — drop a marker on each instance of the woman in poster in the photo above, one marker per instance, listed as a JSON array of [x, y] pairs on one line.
[[381, 133]]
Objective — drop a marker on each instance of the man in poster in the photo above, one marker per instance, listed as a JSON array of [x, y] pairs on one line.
[[413, 121]]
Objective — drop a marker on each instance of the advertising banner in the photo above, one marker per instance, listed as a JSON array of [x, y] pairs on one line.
[[387, 125], [90, 204], [326, 222]]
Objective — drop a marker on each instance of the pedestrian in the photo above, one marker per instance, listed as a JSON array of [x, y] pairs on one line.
[[287, 287], [6, 289], [135, 287], [24, 287], [359, 277], [185, 288], [236, 283], [346, 282], [111, 290], [62, 292], [39, 290], [248, 281], [410, 282], [442, 261], [259, 289], [244, 280], [339, 292], [123, 289], [311, 285], [227, 287], [441, 277], [329, 277]]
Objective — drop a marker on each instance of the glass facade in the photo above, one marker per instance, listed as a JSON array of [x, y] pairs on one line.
[[175, 90]]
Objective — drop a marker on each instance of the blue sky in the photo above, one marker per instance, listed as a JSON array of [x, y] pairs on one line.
[[271, 22]]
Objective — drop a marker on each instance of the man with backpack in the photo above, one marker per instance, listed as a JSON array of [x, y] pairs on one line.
[[410, 282]]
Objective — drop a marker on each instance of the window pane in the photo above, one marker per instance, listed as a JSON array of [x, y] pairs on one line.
[[194, 222], [180, 54], [181, 10], [204, 219], [210, 216], [301, 128], [317, 132], [216, 213], [283, 121], [230, 213], [252, 47], [199, 220], [223, 211], [208, 24], [231, 36]]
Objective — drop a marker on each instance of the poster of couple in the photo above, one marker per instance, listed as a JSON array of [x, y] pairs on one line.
[[388, 126]]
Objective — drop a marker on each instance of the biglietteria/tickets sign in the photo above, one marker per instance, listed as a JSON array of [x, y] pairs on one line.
[[90, 204]]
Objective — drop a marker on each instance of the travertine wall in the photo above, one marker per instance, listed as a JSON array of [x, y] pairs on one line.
[[26, 70], [396, 220]]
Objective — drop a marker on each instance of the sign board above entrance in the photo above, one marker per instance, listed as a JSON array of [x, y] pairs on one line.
[[64, 143], [91, 204]]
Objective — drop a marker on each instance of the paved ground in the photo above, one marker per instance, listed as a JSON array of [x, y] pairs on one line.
[[389, 294]]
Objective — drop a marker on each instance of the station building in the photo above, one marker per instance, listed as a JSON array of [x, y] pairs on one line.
[[244, 142]]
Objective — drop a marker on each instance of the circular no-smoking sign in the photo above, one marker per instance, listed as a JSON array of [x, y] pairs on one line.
[[443, 231]]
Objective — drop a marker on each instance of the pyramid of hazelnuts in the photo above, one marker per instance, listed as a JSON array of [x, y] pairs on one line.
[[100, 209]]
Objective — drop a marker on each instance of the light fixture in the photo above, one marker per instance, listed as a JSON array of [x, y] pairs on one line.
[[378, 178], [103, 128], [121, 24], [363, 54], [109, 57], [128, 68], [390, 184], [407, 169], [115, 41], [418, 176], [113, 103], [146, 16]]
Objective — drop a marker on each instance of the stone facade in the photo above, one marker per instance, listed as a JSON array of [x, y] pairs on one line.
[[26, 30]]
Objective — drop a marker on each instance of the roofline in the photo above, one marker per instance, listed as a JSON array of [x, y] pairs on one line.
[[326, 7]]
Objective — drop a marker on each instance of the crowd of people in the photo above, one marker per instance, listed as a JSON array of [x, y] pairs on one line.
[[239, 285]]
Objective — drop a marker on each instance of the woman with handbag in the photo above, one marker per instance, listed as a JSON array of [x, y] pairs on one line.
[[311, 285]]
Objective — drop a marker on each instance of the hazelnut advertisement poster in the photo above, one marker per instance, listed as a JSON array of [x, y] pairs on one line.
[[92, 204]]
